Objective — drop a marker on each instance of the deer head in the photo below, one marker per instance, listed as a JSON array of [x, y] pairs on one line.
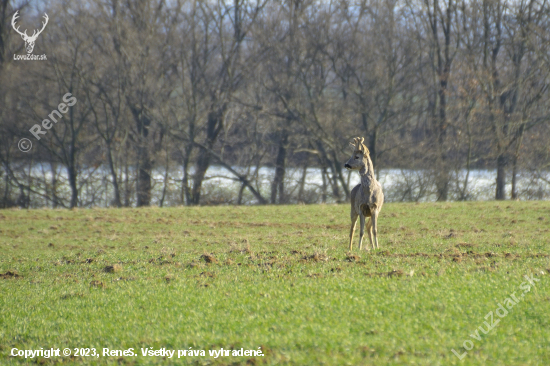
[[360, 153], [29, 41]]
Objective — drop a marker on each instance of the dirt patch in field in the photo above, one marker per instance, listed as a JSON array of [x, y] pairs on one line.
[[465, 245], [394, 273], [352, 258], [169, 278], [316, 257], [161, 261], [124, 279], [10, 275], [208, 258], [386, 253], [113, 269], [72, 295], [208, 274], [454, 253], [267, 265], [236, 249], [452, 234]]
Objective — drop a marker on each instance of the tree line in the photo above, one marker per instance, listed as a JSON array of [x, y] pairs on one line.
[[440, 87]]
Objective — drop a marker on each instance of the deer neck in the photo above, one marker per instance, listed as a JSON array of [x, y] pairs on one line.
[[367, 176]]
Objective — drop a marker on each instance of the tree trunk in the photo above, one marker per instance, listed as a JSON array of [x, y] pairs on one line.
[[372, 146], [339, 176], [240, 196], [463, 194], [53, 167], [71, 171], [126, 184], [442, 172], [278, 181], [165, 187], [203, 161], [334, 182], [303, 180], [324, 187], [213, 127], [335, 169], [144, 177], [116, 200], [442, 182], [187, 151], [23, 200], [143, 186], [501, 177], [6, 192], [514, 194], [515, 163], [185, 191]]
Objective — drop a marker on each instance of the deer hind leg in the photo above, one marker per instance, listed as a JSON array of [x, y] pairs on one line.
[[374, 220], [369, 233], [362, 232], [352, 229]]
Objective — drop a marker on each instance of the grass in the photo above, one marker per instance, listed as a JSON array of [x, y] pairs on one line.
[[278, 278]]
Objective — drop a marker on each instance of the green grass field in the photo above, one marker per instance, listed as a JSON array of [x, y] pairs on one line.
[[279, 279]]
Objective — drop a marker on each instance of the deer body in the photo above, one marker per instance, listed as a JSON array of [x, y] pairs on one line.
[[367, 197]]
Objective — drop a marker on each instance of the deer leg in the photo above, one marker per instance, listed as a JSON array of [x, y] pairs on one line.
[[352, 229], [362, 232], [374, 219], [369, 233]]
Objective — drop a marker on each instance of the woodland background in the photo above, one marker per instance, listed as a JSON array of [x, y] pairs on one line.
[[270, 92]]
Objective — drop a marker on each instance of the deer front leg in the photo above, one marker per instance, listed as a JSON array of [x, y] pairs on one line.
[[369, 233], [362, 232], [352, 229], [374, 220]]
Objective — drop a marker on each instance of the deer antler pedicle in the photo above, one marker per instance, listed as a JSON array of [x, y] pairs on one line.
[[358, 145]]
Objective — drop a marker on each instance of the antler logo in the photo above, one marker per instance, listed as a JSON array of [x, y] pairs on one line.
[[29, 41]]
